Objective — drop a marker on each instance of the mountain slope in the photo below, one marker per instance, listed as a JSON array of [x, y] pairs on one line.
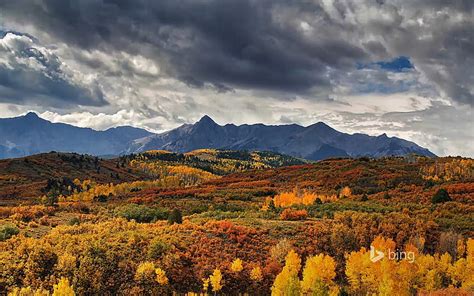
[[217, 162], [29, 134], [26, 178], [315, 142]]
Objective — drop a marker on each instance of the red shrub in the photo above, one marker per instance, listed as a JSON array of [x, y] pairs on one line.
[[293, 215]]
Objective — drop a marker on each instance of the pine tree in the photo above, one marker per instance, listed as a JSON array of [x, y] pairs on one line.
[[441, 196], [175, 217]]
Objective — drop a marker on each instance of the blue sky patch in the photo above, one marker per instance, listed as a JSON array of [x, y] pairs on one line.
[[397, 64]]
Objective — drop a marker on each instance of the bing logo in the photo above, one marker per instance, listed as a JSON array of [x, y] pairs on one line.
[[376, 255]]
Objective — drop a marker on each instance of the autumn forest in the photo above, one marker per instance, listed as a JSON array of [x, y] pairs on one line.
[[222, 222]]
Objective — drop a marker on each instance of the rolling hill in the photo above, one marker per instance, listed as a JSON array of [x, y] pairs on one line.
[[218, 162], [26, 178], [390, 179], [33, 176]]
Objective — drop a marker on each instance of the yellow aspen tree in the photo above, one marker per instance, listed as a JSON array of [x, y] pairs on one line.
[[382, 277], [318, 275], [463, 270], [460, 248], [216, 280], [28, 291], [405, 274], [66, 263], [367, 277], [287, 282], [256, 274], [382, 244], [145, 272], [358, 265], [63, 288], [426, 274], [293, 261], [346, 192], [237, 265], [468, 283], [205, 284], [161, 276], [399, 276]]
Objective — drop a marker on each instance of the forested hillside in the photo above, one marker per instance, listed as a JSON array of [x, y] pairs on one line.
[[220, 222], [29, 177]]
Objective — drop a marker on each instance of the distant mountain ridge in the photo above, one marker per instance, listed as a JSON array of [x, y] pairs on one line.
[[30, 134], [314, 142]]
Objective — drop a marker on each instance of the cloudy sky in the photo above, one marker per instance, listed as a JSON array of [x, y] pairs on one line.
[[405, 68]]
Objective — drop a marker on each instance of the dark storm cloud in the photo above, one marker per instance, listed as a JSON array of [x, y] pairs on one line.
[[289, 46], [31, 73], [225, 43], [441, 45]]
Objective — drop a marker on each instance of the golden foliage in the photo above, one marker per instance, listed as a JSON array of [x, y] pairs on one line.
[[154, 152], [202, 151], [279, 251], [318, 274], [215, 280], [236, 265], [145, 272], [161, 277], [256, 274], [293, 261], [463, 269], [391, 277], [449, 169], [205, 284], [287, 282], [66, 263], [185, 178], [346, 192], [66, 249], [188, 176], [63, 288], [288, 199], [28, 291]]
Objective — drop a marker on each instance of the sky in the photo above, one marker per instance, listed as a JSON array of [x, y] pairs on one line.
[[404, 68]]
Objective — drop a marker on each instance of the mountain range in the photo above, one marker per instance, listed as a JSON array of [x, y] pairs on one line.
[[30, 134]]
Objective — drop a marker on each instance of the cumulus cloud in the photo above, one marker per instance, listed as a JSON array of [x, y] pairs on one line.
[[445, 129], [100, 121], [30, 73]]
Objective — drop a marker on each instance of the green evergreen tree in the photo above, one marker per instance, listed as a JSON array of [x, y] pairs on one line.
[[175, 217], [441, 196]]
